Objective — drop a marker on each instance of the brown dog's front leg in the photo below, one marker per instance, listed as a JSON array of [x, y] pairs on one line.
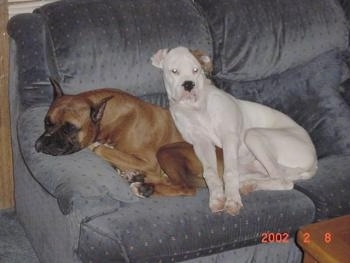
[[145, 176], [137, 171], [121, 160]]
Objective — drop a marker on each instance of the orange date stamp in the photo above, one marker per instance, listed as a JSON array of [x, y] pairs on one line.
[[327, 237], [275, 237]]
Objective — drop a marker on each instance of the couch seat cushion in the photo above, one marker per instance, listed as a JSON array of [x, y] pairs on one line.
[[163, 229], [329, 189], [76, 180]]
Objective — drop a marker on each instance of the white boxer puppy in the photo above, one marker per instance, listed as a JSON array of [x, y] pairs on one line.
[[262, 147]]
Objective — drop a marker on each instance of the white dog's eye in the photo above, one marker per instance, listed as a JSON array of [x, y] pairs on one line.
[[174, 70], [195, 70]]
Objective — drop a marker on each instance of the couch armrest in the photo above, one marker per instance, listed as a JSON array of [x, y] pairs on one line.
[[78, 180], [34, 58]]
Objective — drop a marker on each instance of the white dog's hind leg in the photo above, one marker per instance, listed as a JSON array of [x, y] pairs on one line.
[[267, 184], [263, 151], [205, 152], [284, 152], [257, 181]]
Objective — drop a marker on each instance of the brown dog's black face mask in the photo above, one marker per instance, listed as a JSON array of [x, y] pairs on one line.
[[61, 135], [58, 140]]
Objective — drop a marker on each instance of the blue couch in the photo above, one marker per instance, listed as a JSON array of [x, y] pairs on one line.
[[285, 54]]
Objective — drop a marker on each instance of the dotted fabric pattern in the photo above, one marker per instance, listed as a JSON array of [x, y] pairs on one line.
[[180, 228], [271, 253], [254, 39], [91, 43], [109, 43], [76, 179], [329, 190], [309, 94]]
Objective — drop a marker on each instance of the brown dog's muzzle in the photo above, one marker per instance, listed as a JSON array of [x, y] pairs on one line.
[[56, 144]]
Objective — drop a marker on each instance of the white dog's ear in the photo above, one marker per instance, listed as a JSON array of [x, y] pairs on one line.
[[204, 60], [158, 58]]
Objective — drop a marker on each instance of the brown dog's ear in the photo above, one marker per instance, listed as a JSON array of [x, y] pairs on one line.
[[96, 112], [204, 60], [57, 90]]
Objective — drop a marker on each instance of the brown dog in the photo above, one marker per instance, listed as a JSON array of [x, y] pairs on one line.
[[138, 138]]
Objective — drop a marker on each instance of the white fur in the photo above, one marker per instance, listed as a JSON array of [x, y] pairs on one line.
[[262, 147]]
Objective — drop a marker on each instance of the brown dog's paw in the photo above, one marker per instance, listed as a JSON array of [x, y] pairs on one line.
[[133, 176], [141, 189], [136, 179]]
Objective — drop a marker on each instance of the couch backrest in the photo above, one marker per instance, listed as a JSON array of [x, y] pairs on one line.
[[89, 44], [93, 43], [254, 39], [109, 43]]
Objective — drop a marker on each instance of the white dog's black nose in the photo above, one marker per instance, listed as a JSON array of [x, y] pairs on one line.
[[188, 85]]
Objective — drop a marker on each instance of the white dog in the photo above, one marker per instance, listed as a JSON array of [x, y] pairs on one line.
[[262, 147]]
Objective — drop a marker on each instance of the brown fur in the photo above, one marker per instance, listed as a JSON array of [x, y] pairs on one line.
[[130, 134]]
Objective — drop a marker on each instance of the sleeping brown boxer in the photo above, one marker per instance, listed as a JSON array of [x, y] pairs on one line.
[[138, 138]]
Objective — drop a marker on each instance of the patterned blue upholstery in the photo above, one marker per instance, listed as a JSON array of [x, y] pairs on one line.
[[281, 53], [177, 229], [255, 39]]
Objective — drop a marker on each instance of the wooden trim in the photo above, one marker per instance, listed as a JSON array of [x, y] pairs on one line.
[[6, 162], [24, 6], [326, 241]]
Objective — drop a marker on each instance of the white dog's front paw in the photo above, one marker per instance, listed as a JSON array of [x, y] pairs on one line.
[[233, 205], [217, 203]]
